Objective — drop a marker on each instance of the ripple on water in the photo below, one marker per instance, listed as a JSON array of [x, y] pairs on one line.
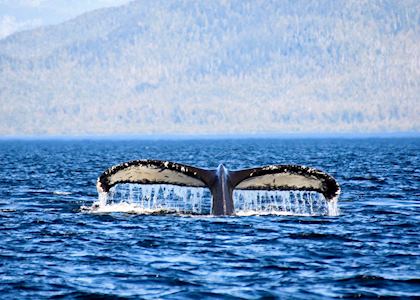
[[50, 249]]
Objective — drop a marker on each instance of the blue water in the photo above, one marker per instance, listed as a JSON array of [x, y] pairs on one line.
[[50, 249]]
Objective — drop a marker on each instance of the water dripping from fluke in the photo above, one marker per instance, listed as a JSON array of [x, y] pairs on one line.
[[154, 199], [162, 187], [288, 203]]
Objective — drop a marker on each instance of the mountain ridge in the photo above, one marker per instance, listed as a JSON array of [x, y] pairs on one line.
[[215, 67]]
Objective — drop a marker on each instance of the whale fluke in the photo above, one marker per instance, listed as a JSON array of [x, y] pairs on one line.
[[220, 181], [154, 172], [286, 177]]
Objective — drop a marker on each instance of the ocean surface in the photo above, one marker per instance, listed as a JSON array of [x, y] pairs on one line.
[[51, 247]]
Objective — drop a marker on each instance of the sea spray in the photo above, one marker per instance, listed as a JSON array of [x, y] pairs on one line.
[[261, 202], [137, 198], [154, 198]]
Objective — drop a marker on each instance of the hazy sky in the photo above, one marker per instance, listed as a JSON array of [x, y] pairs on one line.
[[17, 15]]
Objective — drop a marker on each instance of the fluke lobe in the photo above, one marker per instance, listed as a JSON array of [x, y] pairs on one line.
[[220, 181]]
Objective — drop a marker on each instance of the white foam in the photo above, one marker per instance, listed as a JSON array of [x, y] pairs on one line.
[[124, 207], [61, 193]]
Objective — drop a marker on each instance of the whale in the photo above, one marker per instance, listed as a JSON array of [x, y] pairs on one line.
[[220, 181]]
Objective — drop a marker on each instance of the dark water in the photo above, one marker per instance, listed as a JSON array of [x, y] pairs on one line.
[[49, 249]]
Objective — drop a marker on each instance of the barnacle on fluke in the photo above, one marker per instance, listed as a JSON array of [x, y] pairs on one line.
[[220, 181]]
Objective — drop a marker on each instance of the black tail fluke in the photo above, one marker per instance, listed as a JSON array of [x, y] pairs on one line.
[[286, 177], [220, 181], [154, 172]]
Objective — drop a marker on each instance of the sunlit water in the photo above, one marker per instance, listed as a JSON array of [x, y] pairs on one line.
[[150, 242]]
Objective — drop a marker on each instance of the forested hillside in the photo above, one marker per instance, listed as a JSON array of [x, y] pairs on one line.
[[197, 67]]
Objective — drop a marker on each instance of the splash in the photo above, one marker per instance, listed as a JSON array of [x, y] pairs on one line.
[[154, 199], [301, 203], [164, 199]]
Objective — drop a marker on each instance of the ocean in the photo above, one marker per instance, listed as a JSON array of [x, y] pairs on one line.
[[53, 246]]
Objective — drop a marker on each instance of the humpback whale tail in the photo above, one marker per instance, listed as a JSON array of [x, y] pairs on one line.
[[220, 181]]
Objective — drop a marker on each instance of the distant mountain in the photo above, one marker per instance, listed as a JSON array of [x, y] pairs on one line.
[[216, 67]]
